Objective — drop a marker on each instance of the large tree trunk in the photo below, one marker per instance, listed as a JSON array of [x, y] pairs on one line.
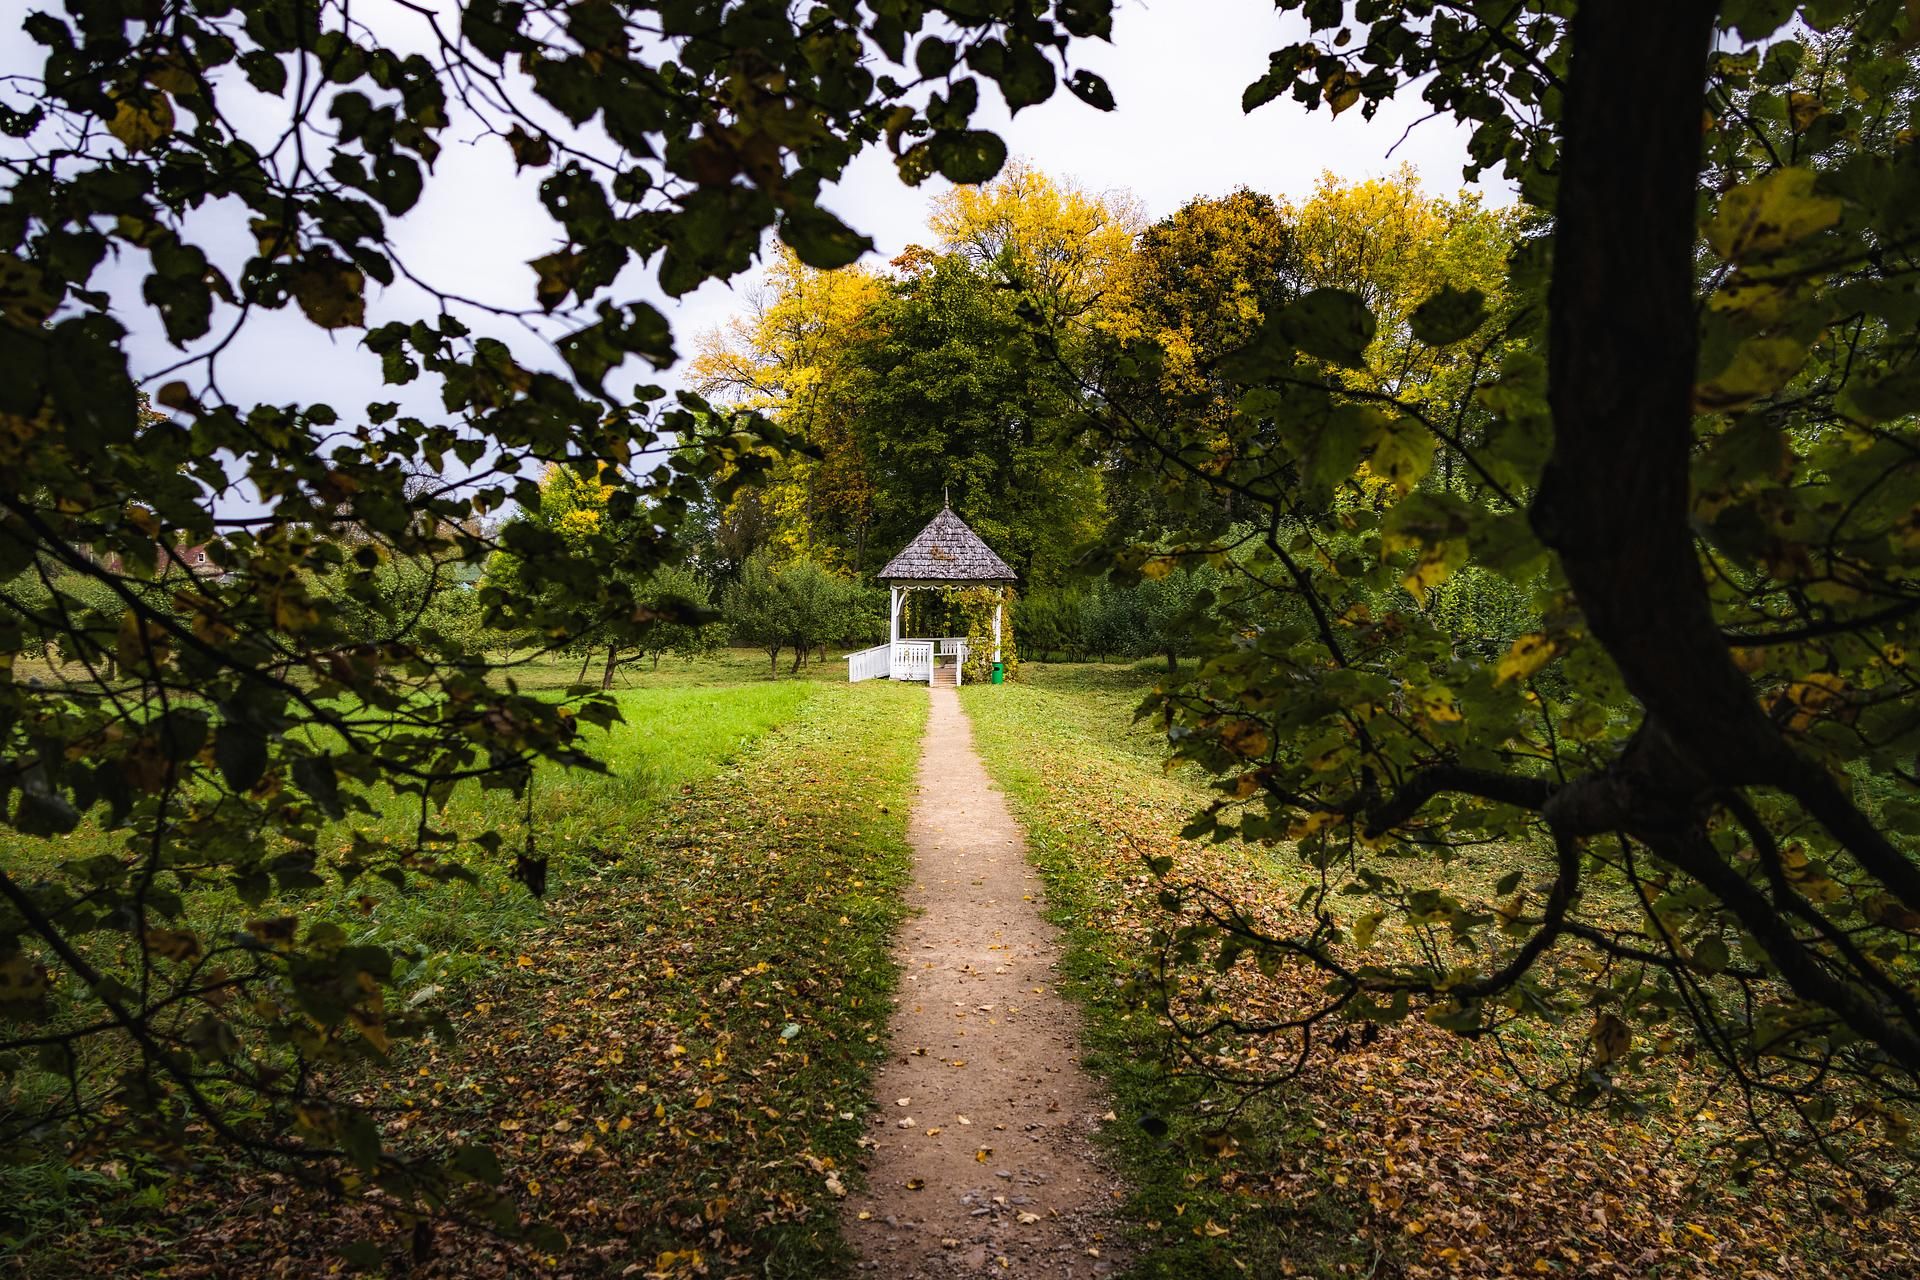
[[1613, 499]]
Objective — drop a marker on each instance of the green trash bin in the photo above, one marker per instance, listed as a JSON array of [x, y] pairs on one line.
[[999, 673]]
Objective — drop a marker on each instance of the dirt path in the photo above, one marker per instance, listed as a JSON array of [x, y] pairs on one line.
[[981, 1160]]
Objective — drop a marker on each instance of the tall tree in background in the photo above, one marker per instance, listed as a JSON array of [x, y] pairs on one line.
[[1059, 246], [1204, 280], [928, 384], [958, 398], [791, 358]]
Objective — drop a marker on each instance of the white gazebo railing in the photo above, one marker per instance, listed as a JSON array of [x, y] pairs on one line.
[[912, 660], [908, 659], [870, 664]]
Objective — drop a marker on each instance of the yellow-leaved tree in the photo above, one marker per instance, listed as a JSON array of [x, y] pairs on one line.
[[1059, 244], [787, 356], [1204, 282], [1392, 245]]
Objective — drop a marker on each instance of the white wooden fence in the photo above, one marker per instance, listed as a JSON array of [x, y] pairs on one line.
[[870, 664]]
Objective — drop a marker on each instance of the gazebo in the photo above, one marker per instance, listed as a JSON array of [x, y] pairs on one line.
[[944, 554]]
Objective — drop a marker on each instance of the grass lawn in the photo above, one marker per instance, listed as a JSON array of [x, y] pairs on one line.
[[703, 980], [1418, 1154]]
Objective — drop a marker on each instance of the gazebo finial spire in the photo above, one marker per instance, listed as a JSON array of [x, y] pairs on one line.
[[946, 497]]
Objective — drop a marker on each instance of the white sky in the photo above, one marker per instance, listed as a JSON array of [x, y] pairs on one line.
[[1176, 68]]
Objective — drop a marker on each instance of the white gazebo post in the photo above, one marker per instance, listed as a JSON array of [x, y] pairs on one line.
[[998, 605], [893, 615]]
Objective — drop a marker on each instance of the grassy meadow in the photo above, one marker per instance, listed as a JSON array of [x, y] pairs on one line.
[[1414, 1153], [620, 843], [673, 1053]]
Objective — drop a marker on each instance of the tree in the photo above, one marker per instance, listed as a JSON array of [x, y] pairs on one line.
[[1205, 279], [757, 611], [957, 401], [244, 718], [1050, 620], [816, 606], [1060, 246], [1171, 611], [790, 358], [1703, 733], [678, 599]]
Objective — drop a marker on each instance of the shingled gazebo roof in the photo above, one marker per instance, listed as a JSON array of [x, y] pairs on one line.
[[947, 551]]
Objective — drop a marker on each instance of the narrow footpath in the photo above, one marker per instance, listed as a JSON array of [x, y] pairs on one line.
[[981, 1159]]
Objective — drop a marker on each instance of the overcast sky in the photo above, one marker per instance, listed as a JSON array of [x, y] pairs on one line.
[[1176, 67]]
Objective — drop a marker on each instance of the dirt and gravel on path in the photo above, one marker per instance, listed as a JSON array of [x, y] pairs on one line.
[[981, 1158]]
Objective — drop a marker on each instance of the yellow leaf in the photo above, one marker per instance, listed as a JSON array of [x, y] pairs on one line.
[[331, 293], [1158, 567], [702, 1102], [1528, 654], [1760, 367], [1314, 823], [1770, 214], [1246, 738], [1611, 1038], [141, 118], [1436, 564], [1437, 704], [1402, 454], [1366, 926]]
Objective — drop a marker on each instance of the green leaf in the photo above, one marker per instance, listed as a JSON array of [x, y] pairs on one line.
[[1332, 324], [43, 812], [1507, 883], [1091, 89], [821, 240], [1759, 368], [968, 156], [1770, 214], [362, 1255], [241, 752], [934, 57], [476, 1163], [1756, 19], [315, 776], [1448, 316]]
